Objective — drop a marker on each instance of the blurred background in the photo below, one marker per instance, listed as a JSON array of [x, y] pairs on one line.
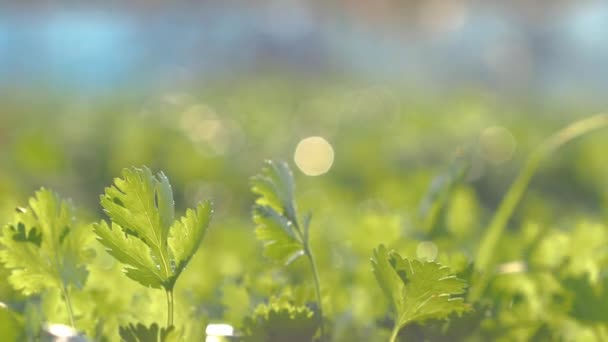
[[239, 81], [550, 48], [369, 101]]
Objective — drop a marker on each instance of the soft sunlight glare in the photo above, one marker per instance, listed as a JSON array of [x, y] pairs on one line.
[[219, 330], [512, 267], [61, 331], [314, 156]]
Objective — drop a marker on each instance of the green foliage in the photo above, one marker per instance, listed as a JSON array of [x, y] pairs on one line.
[[417, 290], [280, 321], [274, 214], [544, 264], [144, 235], [142, 333], [43, 247], [583, 293]]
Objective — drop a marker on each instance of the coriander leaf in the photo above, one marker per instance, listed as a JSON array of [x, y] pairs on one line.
[[43, 247], [417, 290], [275, 213], [275, 188], [132, 252], [280, 321], [140, 204], [277, 224], [142, 333], [280, 240], [144, 234], [187, 234]]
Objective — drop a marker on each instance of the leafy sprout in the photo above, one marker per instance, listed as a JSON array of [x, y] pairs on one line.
[[416, 290], [144, 234], [279, 321], [142, 333], [284, 235], [45, 249]]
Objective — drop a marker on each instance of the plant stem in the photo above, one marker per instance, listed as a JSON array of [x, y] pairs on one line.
[[170, 304], [315, 273], [68, 304], [168, 291], [485, 254], [395, 333]]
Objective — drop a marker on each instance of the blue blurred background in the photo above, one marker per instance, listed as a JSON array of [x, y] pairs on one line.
[[550, 48]]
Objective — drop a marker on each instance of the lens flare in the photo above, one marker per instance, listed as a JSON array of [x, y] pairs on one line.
[[314, 156]]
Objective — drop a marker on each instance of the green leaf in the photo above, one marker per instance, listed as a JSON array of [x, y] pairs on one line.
[[275, 213], [132, 252], [280, 321], [187, 234], [135, 204], [144, 234], [277, 233], [417, 290], [43, 247], [275, 188], [142, 333]]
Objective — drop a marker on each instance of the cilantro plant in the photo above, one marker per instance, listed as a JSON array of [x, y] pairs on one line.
[[535, 276], [144, 234], [417, 290], [45, 249], [284, 234], [280, 321], [141, 333]]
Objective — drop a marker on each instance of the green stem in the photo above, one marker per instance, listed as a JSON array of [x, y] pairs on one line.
[[170, 305], [68, 304], [485, 255], [395, 333], [315, 273], [168, 291]]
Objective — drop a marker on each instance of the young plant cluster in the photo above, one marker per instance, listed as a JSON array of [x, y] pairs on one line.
[[547, 295]]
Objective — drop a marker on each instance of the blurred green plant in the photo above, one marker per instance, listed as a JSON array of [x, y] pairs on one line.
[[545, 266], [45, 249], [284, 235], [279, 321]]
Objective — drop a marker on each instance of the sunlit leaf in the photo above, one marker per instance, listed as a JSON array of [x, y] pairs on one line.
[[417, 290], [275, 213], [43, 246], [144, 234]]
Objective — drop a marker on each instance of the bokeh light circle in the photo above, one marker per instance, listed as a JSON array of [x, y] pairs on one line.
[[314, 156]]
